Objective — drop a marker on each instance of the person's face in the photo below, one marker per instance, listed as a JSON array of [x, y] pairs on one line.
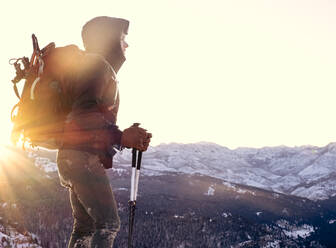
[[123, 43]]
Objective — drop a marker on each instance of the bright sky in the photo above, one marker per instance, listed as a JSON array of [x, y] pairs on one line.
[[238, 73]]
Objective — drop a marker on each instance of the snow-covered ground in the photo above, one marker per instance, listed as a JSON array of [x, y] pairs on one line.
[[294, 231], [9, 237], [273, 244], [332, 221]]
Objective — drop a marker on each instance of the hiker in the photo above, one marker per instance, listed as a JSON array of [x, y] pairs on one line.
[[91, 135]]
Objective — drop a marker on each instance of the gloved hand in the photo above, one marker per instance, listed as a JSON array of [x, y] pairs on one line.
[[136, 137]]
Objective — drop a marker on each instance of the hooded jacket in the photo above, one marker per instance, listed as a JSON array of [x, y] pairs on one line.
[[92, 92]]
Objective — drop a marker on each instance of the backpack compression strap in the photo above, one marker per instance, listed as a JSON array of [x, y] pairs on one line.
[[35, 59], [20, 73]]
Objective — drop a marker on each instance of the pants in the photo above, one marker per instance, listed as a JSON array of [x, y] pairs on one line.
[[96, 220]]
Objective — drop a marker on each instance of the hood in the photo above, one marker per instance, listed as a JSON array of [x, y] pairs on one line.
[[102, 35]]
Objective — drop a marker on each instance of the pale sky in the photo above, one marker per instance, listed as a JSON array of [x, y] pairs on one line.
[[238, 73]]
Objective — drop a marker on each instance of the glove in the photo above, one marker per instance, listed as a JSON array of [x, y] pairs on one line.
[[136, 137]]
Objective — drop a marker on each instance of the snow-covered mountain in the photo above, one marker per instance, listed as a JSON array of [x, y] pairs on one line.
[[305, 171], [215, 196]]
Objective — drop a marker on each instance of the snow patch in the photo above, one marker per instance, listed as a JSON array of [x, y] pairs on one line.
[[119, 171], [122, 189], [238, 190], [274, 244], [211, 191], [225, 215], [45, 164], [178, 216], [276, 195], [295, 231], [303, 231], [243, 244], [9, 237]]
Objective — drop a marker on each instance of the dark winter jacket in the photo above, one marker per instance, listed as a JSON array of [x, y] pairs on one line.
[[90, 93]]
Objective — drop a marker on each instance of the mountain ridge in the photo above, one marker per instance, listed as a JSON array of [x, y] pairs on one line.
[[305, 171]]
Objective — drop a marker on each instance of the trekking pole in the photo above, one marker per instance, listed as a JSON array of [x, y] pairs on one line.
[[136, 165]]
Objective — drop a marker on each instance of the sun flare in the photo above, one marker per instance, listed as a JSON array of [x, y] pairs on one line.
[[6, 154]]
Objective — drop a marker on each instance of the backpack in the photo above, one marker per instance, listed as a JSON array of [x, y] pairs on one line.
[[39, 115]]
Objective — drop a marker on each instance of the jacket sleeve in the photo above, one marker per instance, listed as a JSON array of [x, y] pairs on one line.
[[91, 122]]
